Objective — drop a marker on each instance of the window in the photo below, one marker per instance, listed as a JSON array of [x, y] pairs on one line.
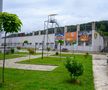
[[28, 34], [71, 28], [59, 30], [36, 43], [40, 43], [86, 27], [43, 32], [36, 33], [51, 31]]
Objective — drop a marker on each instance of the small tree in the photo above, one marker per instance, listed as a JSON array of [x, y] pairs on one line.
[[75, 68], [48, 49], [86, 54], [25, 42], [60, 42], [73, 43], [12, 50], [9, 23], [31, 52]]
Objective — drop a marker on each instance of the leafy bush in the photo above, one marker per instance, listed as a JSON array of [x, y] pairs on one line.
[[31, 51], [48, 49], [86, 55], [75, 68], [18, 48], [56, 53], [12, 50], [25, 42]]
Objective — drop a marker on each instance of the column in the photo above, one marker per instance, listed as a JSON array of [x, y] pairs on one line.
[[78, 29], [93, 39], [65, 30]]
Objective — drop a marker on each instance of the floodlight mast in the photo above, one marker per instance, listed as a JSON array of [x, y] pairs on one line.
[[50, 21]]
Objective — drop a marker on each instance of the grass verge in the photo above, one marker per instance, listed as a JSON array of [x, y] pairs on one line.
[[57, 79]]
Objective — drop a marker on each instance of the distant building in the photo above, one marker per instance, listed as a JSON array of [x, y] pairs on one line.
[[83, 37]]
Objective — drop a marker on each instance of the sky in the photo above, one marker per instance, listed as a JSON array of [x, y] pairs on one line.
[[33, 13]]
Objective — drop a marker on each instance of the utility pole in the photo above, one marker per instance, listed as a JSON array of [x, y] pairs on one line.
[[1, 5]]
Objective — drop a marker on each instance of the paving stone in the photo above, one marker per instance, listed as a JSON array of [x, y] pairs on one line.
[[100, 70], [12, 64]]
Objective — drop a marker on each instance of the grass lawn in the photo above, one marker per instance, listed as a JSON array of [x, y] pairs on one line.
[[10, 56], [57, 79], [37, 53], [16, 55], [45, 60]]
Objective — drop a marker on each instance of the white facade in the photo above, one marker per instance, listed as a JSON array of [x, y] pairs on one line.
[[36, 41]]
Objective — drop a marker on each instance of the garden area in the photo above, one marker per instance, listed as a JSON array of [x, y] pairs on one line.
[[11, 56], [58, 79], [17, 54]]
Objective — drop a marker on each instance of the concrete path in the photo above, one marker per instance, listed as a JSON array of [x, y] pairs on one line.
[[100, 69], [11, 63]]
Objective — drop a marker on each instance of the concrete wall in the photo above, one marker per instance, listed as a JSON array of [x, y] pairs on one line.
[[32, 39], [97, 41]]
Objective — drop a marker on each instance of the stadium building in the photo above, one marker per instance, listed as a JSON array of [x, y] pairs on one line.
[[83, 37]]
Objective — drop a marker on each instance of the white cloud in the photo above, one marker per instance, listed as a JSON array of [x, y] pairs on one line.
[[34, 12]]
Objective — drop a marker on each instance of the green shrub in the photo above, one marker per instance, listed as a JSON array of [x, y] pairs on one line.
[[56, 53], [75, 68], [48, 49], [31, 51], [12, 50], [25, 42], [18, 48], [86, 55]]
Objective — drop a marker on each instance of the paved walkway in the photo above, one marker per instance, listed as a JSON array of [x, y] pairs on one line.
[[100, 69], [11, 63]]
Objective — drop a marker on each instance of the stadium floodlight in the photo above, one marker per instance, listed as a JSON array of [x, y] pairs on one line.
[[51, 18], [52, 14]]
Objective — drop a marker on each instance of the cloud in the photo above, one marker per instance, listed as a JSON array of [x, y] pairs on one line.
[[34, 12]]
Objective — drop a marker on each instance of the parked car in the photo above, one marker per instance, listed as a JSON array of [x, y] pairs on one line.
[[65, 50]]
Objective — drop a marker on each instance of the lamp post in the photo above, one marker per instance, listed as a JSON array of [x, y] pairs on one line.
[[107, 59]]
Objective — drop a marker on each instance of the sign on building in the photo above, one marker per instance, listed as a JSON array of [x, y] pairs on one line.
[[85, 37], [59, 36]]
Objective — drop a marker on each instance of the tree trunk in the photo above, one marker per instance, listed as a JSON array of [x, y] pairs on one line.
[[3, 69], [42, 48], [60, 51]]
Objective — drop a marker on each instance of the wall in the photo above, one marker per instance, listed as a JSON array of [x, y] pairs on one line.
[[97, 41], [31, 39], [96, 45]]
